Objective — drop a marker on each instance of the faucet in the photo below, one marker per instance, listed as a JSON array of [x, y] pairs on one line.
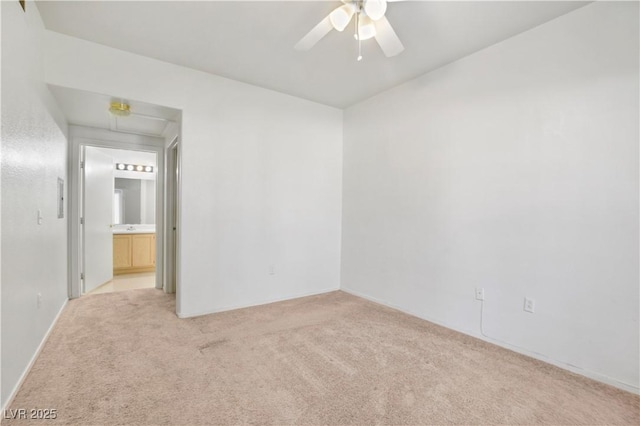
[[131, 228]]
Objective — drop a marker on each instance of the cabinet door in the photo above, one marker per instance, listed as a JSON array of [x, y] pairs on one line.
[[142, 249], [121, 251]]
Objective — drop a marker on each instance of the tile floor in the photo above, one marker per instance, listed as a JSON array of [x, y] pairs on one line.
[[127, 282]]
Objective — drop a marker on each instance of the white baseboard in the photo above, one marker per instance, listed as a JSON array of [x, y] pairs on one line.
[[26, 371], [265, 302], [540, 357]]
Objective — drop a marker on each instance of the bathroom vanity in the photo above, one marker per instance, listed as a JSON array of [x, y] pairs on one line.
[[134, 250]]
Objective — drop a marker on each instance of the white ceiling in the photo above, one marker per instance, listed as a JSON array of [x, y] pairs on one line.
[[253, 41], [92, 110]]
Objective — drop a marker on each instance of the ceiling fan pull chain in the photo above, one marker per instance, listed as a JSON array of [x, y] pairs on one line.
[[357, 35]]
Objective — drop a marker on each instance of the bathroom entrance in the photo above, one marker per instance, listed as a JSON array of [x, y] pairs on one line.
[[123, 231], [119, 219]]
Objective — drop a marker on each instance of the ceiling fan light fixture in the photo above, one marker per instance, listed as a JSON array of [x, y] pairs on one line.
[[366, 28], [375, 9], [341, 16], [120, 109], [370, 22]]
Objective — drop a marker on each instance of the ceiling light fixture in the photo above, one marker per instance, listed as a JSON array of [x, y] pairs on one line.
[[375, 9], [134, 167], [366, 28], [370, 22], [341, 16], [120, 109]]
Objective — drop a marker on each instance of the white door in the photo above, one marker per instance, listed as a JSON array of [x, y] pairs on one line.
[[98, 216]]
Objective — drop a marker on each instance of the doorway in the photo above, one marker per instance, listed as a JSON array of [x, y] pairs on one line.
[[85, 140], [105, 121], [118, 229]]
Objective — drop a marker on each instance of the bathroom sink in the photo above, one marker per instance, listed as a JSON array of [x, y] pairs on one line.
[[134, 229]]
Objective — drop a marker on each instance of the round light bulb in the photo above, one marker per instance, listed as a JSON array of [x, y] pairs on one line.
[[130, 167], [341, 16], [366, 28], [375, 9], [139, 168], [120, 166]]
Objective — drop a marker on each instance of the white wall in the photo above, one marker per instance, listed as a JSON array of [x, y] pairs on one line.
[[34, 257], [2, 403], [261, 176], [514, 169]]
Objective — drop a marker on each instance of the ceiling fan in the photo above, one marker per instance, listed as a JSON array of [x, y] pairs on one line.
[[370, 22]]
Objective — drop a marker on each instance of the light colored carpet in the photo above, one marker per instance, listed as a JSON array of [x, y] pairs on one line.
[[124, 358]]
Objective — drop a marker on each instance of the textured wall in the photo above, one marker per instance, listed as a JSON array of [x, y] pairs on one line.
[[34, 256]]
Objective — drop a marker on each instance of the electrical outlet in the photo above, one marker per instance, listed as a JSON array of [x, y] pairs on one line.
[[529, 305], [479, 293], [39, 217], [39, 300]]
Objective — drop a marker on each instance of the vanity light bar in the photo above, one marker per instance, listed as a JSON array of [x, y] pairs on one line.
[[134, 167]]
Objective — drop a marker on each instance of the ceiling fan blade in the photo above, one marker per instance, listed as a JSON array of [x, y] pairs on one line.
[[387, 38], [315, 35]]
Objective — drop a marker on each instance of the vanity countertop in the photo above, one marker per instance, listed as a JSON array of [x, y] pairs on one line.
[[133, 229]]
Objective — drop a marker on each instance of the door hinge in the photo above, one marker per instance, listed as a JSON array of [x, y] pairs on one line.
[[82, 276], [82, 221], [82, 164]]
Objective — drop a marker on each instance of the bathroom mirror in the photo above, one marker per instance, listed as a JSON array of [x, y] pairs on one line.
[[134, 201]]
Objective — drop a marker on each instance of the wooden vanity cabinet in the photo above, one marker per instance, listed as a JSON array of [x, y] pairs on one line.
[[121, 252], [134, 253]]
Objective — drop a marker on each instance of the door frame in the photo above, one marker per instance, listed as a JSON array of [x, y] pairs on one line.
[[79, 137], [172, 216]]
